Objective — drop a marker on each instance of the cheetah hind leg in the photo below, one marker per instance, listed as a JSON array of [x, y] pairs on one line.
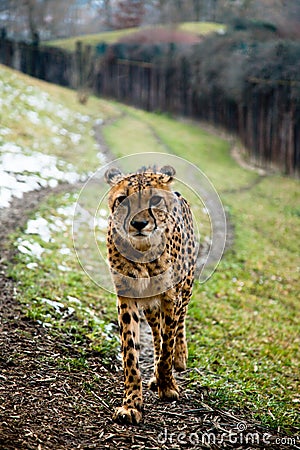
[[180, 357]]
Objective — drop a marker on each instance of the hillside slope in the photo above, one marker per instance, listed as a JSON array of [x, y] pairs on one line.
[[111, 37]]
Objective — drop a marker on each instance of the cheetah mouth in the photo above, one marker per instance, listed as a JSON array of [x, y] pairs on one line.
[[146, 240], [140, 234], [140, 241]]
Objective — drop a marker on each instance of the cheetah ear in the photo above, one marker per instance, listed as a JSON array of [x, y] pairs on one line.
[[169, 171], [113, 175]]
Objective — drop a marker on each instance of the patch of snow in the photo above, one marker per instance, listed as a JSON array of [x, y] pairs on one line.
[[5, 197], [67, 211], [40, 227], [70, 310], [93, 315], [101, 157], [56, 140], [65, 251], [4, 131], [45, 324], [34, 182], [53, 183], [72, 299], [33, 117], [24, 171], [103, 212], [110, 331], [63, 132], [100, 223], [32, 265], [45, 229], [31, 248], [57, 224], [7, 180], [37, 169], [58, 306], [63, 268], [10, 147], [82, 118], [75, 138]]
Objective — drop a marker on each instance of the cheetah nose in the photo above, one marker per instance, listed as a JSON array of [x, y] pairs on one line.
[[139, 224]]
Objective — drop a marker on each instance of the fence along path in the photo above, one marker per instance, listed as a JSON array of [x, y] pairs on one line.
[[268, 123]]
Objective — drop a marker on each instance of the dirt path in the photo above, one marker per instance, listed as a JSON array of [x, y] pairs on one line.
[[48, 403]]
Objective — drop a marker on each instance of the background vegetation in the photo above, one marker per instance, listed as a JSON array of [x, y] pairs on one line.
[[51, 19]]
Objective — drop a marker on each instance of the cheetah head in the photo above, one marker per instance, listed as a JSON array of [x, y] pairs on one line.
[[141, 205]]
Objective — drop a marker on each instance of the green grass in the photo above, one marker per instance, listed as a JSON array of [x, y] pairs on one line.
[[202, 27], [139, 138], [243, 324], [111, 37], [210, 153]]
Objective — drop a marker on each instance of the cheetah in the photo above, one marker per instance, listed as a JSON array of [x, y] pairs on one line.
[[151, 253]]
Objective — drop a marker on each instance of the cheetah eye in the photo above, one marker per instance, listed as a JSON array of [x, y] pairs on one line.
[[119, 200], [155, 200]]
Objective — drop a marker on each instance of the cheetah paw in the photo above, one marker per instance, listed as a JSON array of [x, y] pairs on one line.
[[126, 415], [180, 364], [169, 393]]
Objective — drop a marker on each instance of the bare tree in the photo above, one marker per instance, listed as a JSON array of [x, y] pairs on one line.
[[107, 8], [174, 11], [129, 13], [197, 10], [31, 10], [30, 18]]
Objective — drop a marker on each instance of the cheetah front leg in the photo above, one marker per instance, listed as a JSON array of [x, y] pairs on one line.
[[152, 315], [167, 387], [128, 315]]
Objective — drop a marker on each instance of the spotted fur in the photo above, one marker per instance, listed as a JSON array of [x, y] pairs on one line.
[[151, 252]]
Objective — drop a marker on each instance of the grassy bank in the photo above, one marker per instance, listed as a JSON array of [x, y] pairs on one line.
[[243, 323], [111, 37]]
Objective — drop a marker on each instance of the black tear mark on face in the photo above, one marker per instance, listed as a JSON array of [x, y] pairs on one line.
[[118, 201]]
